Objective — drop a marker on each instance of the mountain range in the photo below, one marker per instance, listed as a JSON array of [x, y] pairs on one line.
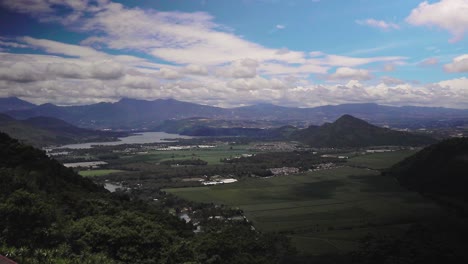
[[146, 115], [346, 132]]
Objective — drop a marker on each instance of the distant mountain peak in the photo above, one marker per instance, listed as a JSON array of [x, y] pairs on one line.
[[349, 119], [14, 103]]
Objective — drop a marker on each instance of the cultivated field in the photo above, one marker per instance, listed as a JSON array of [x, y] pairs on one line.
[[324, 211], [210, 155]]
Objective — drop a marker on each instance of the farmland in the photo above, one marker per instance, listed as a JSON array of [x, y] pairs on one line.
[[96, 173], [325, 211]]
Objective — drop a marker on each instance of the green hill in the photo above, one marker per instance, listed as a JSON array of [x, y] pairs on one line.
[[49, 214], [348, 131], [440, 169]]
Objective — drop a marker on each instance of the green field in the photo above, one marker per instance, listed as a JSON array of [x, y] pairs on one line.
[[323, 211], [94, 173], [210, 155], [380, 160]]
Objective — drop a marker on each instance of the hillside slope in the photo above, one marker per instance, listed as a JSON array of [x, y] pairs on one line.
[[44, 131], [50, 214], [440, 169]]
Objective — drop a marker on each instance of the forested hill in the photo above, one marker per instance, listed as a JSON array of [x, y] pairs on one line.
[[49, 214], [440, 169], [349, 131]]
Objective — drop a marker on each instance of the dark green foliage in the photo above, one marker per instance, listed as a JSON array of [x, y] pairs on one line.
[[424, 243], [348, 132], [440, 169], [303, 160]]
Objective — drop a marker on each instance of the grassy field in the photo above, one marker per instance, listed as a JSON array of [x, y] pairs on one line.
[[94, 173], [323, 211]]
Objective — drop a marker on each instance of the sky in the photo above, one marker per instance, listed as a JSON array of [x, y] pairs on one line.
[[227, 53]]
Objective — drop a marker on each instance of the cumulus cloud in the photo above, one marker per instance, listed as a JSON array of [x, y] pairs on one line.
[[20, 71], [169, 74], [279, 26], [195, 69], [198, 61], [344, 73], [459, 64], [378, 24], [450, 15]]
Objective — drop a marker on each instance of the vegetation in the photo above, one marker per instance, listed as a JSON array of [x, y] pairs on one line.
[[52, 215]]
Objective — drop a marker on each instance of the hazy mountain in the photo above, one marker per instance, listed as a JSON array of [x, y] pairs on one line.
[[13, 104], [142, 114], [43, 131], [125, 114], [440, 169], [348, 131]]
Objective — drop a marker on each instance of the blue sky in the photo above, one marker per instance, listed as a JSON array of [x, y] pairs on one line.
[[231, 53]]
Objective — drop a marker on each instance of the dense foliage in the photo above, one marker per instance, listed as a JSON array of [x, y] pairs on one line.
[[440, 169], [52, 215]]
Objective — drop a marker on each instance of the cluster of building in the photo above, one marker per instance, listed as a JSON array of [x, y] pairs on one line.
[[284, 171], [274, 146]]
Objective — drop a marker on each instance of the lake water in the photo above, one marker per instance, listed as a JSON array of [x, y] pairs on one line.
[[141, 138]]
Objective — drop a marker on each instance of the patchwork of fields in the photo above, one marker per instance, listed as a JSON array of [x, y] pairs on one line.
[[324, 211]]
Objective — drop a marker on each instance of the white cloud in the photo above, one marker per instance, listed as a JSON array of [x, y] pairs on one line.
[[183, 38], [246, 68], [336, 60], [391, 81], [279, 26], [378, 24], [459, 64], [55, 47], [429, 62], [11, 44], [344, 73], [169, 74], [450, 15], [207, 64]]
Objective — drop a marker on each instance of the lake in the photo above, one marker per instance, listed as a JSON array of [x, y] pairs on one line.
[[141, 138]]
